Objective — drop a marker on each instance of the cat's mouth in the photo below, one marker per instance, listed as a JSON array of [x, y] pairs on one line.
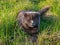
[[33, 27], [30, 26]]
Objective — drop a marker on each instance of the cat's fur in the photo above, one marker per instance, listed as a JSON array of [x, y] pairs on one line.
[[29, 21]]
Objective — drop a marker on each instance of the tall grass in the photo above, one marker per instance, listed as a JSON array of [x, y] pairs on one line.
[[11, 34]]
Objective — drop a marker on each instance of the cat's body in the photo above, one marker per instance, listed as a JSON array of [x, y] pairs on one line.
[[29, 21]]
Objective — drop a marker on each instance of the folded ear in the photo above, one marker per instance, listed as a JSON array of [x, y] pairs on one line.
[[44, 10], [25, 15]]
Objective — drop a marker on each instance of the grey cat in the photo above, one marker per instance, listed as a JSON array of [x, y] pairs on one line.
[[29, 21]]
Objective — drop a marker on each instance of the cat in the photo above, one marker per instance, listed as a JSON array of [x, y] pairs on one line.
[[29, 21]]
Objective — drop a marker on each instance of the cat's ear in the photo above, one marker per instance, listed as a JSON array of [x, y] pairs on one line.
[[25, 14], [44, 10]]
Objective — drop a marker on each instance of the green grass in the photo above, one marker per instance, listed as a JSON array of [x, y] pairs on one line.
[[49, 28]]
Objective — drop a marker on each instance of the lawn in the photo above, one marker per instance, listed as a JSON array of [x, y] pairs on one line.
[[11, 34]]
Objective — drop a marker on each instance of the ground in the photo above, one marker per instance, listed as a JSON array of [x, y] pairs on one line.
[[49, 27]]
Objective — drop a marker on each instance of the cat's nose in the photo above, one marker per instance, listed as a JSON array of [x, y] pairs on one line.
[[33, 24]]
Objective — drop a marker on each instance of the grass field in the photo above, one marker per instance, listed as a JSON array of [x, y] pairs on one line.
[[49, 27]]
